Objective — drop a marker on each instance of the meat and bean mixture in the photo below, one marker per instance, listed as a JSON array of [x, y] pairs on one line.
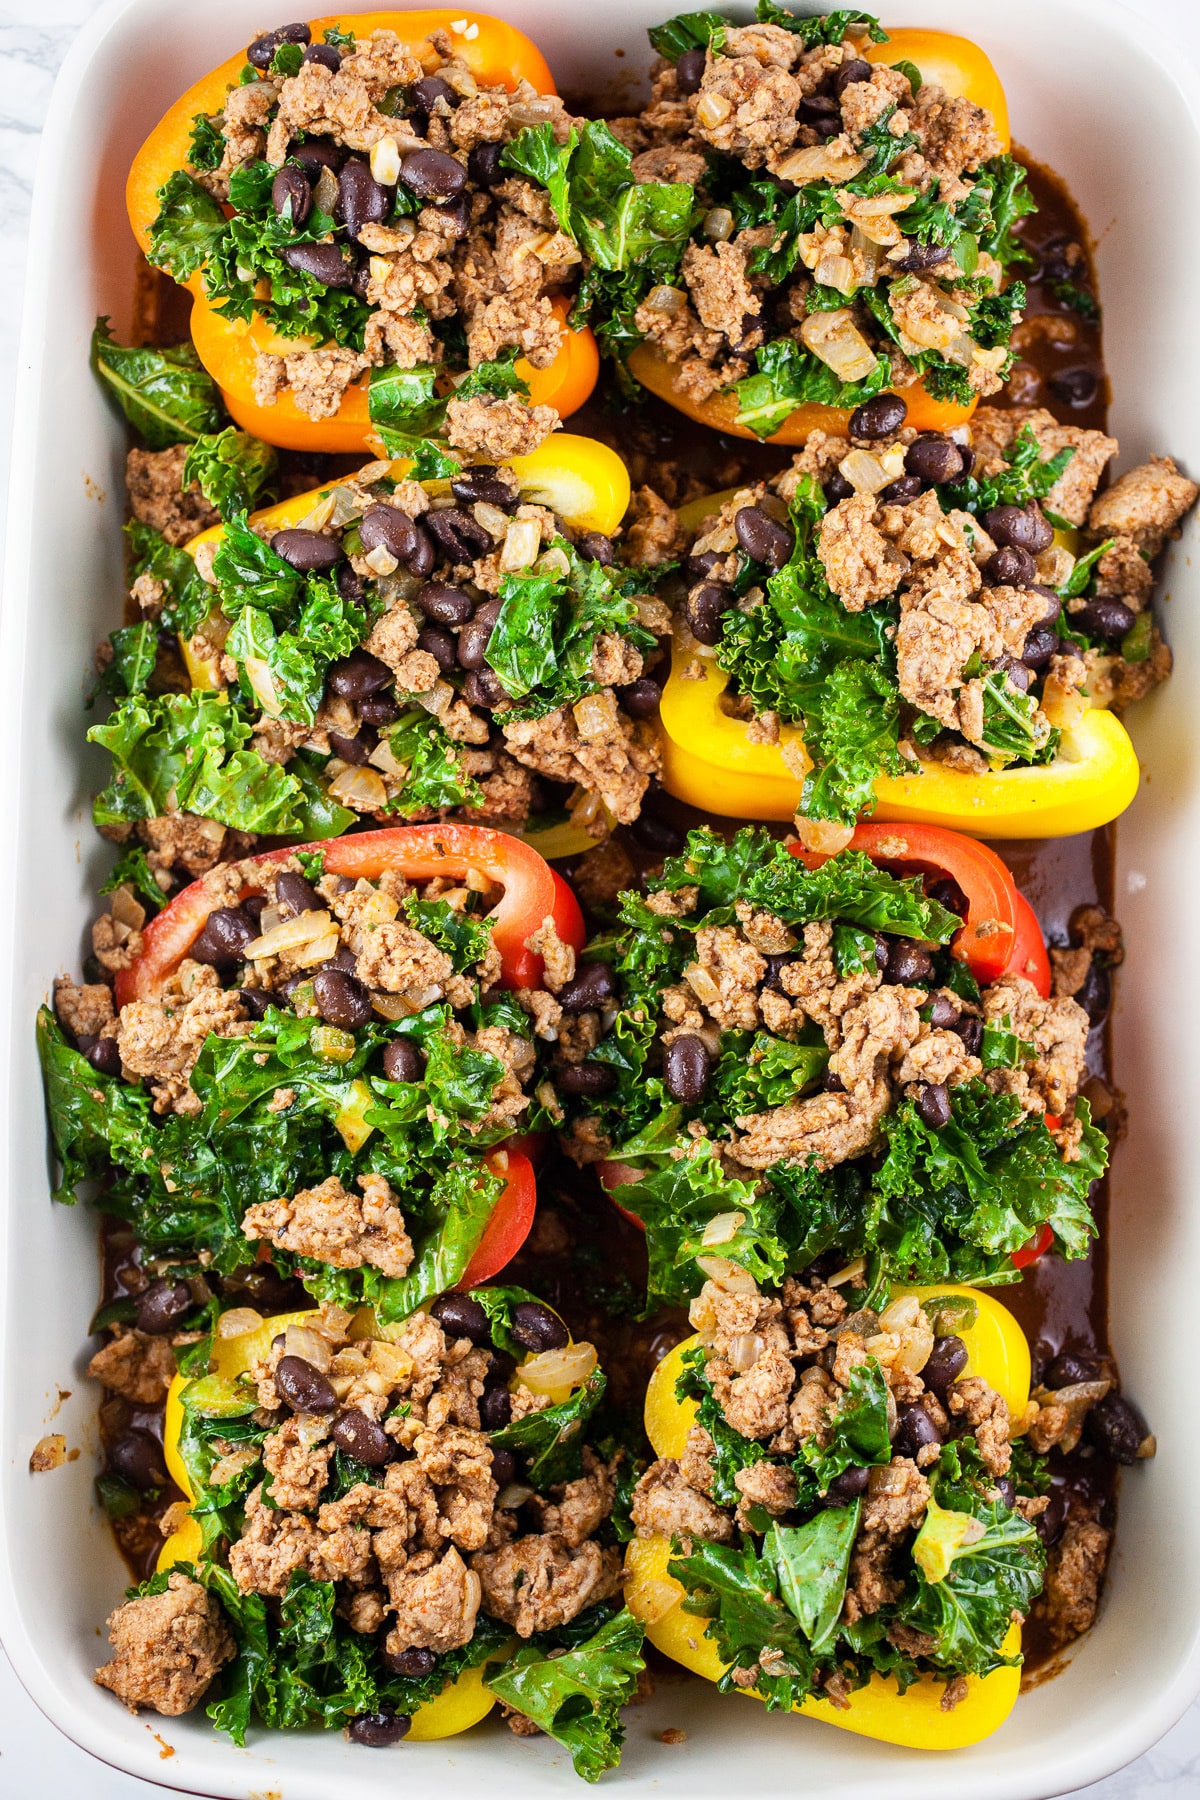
[[804, 1096]]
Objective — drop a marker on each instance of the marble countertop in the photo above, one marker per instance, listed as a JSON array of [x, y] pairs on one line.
[[34, 1756]]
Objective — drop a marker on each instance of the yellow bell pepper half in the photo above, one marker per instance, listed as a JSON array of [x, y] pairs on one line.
[[463, 1702], [997, 1351], [711, 761], [949, 62]]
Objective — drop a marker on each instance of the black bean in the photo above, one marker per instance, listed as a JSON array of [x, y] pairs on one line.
[[342, 999], [421, 557], [302, 1385], [162, 1306], [402, 1061], [1053, 601], [483, 482], [495, 1409], [311, 552], [914, 1430], [762, 537], [947, 893], [483, 688], [1108, 620], [342, 958], [883, 949], [1076, 386], [933, 1105], [686, 1065], [355, 676], [837, 488], [326, 55], [483, 165], [642, 698], [445, 605], [295, 893], [1019, 675], [1024, 527], [595, 547], [943, 1013], [1095, 995], [878, 418], [1049, 1524], [585, 1081], [901, 491], [697, 567], [415, 1661], [361, 199], [822, 113], [461, 1317], [1007, 1489], [705, 608], [430, 89], [908, 962], [387, 528], [919, 257], [261, 51], [102, 1054], [254, 1002], [226, 933], [1068, 1368], [1041, 643], [537, 1328], [689, 71], [1117, 1428], [458, 213], [349, 584], [324, 262], [775, 966], [440, 645], [377, 1730], [433, 174], [378, 709], [362, 1439], [1009, 567], [970, 1030], [361, 284], [254, 906], [137, 1458], [592, 985], [317, 154], [657, 834], [458, 532], [854, 70], [847, 1486], [474, 637], [933, 459], [290, 189], [504, 1467], [945, 1363], [355, 750]]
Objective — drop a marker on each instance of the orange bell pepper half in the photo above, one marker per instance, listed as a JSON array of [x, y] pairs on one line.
[[531, 894], [497, 55]]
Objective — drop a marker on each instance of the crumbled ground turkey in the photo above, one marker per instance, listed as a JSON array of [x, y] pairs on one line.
[[492, 265], [166, 1648], [159, 499]]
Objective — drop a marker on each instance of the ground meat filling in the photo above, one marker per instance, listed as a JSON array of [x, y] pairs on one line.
[[167, 1648], [435, 600], [430, 234], [780, 1367], [769, 107]]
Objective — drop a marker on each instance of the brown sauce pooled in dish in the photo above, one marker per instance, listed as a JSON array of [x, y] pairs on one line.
[[583, 1257]]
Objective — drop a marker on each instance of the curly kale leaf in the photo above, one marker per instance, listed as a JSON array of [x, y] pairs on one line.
[[576, 1696], [1027, 476], [232, 469], [787, 376], [409, 414], [689, 31], [619, 223], [819, 28], [167, 395], [187, 596], [550, 1443]]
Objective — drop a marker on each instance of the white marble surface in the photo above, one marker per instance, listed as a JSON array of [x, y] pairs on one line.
[[34, 1757]]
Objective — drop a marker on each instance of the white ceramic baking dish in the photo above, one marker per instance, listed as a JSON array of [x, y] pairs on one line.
[[1112, 110]]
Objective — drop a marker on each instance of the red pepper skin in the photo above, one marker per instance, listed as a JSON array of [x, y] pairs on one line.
[[511, 1220], [532, 893], [1037, 1246]]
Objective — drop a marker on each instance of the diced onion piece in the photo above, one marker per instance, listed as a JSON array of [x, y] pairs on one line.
[[722, 1227], [392, 1006], [836, 272], [359, 788], [729, 1277], [713, 109], [384, 758], [238, 1321], [127, 909], [595, 716], [850, 1276], [869, 471], [745, 1350], [385, 161], [491, 518], [522, 541], [380, 561], [301, 1340], [554, 1369], [291, 934], [820, 162], [514, 1495], [320, 514], [835, 340], [263, 683], [1062, 706], [823, 836]]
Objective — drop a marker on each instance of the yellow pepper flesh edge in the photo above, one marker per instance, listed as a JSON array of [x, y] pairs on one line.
[[710, 761], [997, 1351], [462, 1703], [950, 62]]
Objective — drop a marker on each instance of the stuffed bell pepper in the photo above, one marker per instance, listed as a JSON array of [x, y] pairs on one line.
[[853, 226], [854, 1511], [383, 647], [364, 259], [385, 1529], [318, 1059], [768, 1060], [926, 625]]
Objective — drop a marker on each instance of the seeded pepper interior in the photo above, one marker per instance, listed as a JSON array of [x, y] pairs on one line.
[[596, 1170]]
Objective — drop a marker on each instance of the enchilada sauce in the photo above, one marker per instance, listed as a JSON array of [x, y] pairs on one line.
[[583, 1256]]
